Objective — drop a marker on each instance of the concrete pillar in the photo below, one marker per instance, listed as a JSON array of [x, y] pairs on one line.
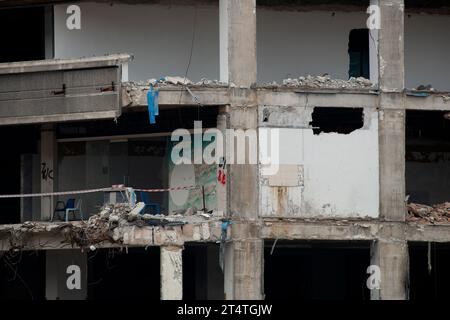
[[391, 40], [238, 65], [238, 42], [48, 169], [26, 186], [66, 275], [221, 188], [393, 259], [374, 12], [48, 27], [392, 110], [392, 163], [244, 264], [171, 269], [243, 178]]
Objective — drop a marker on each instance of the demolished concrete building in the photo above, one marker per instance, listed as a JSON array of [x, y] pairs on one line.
[[89, 104]]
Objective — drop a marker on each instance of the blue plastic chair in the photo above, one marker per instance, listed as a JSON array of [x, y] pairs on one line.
[[70, 204], [74, 210], [154, 207]]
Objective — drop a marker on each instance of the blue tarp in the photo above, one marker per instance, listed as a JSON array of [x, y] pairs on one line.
[[152, 100]]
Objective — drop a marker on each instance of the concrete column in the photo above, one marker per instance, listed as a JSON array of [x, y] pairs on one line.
[[221, 188], [48, 169], [391, 38], [66, 275], [374, 12], [171, 269], [244, 264], [238, 65], [392, 110], [243, 177], [392, 162], [48, 27], [393, 259], [26, 186], [238, 42]]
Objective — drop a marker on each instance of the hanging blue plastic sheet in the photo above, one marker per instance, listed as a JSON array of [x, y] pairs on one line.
[[152, 100], [223, 239]]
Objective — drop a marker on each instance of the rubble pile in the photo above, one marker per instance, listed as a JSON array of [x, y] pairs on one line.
[[439, 213], [173, 81], [325, 81], [109, 223], [106, 225]]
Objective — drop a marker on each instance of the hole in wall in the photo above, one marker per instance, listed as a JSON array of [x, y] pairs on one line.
[[338, 120]]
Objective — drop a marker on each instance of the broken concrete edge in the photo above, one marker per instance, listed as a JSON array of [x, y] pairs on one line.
[[48, 236], [288, 96], [65, 64], [355, 230], [133, 97], [71, 235]]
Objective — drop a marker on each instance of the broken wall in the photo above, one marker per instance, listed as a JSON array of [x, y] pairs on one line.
[[198, 175], [321, 175]]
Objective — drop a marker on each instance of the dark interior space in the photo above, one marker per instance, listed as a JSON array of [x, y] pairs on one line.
[[15, 141], [339, 120], [427, 156], [22, 33], [114, 274], [358, 51], [313, 270], [202, 276], [138, 123], [429, 274], [22, 275]]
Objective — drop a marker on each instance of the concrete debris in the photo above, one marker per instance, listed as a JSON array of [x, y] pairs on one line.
[[109, 225], [439, 213], [422, 87], [325, 81], [169, 81]]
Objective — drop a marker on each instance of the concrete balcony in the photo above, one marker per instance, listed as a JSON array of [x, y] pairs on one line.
[[61, 90]]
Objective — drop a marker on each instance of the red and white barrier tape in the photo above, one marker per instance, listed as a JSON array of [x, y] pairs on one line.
[[168, 189], [28, 195], [48, 194]]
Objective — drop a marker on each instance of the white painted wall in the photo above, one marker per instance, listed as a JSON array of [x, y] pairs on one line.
[[159, 37], [290, 44], [340, 174], [427, 51]]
